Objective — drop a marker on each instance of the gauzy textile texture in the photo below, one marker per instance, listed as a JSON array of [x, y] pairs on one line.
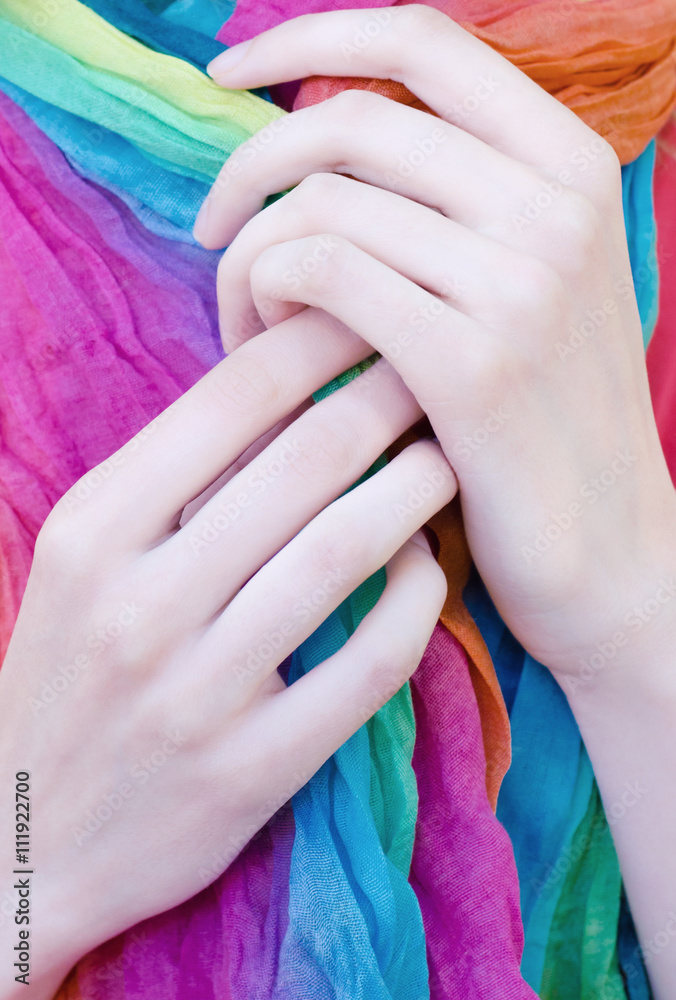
[[109, 138], [612, 62], [662, 355]]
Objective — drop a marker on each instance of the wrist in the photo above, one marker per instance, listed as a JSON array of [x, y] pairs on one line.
[[624, 632], [634, 660]]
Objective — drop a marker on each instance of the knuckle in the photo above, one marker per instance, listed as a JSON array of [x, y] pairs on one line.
[[390, 666], [418, 22], [265, 266], [428, 457], [69, 541], [491, 367], [323, 266], [580, 227], [245, 381], [128, 656], [323, 455], [426, 482], [436, 584], [605, 174], [608, 156], [316, 193], [350, 106], [337, 546], [534, 292]]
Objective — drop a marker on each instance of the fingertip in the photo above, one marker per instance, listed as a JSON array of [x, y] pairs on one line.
[[200, 229], [221, 68], [418, 555]]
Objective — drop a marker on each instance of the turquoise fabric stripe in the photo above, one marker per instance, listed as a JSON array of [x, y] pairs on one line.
[[106, 157], [639, 216]]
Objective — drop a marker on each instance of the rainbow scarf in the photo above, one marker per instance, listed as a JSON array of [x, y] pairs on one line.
[[389, 876]]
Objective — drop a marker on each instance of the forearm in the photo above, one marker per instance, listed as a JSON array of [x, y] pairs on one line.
[[626, 710]]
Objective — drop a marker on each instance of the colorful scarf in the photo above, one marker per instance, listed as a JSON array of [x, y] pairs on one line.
[[390, 875]]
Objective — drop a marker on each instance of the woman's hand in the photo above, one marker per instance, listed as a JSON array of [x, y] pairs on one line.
[[485, 257], [140, 688]]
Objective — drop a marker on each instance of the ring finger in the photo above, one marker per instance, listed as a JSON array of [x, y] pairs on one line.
[[260, 509], [382, 224]]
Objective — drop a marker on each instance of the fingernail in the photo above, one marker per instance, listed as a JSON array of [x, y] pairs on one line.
[[226, 61], [200, 227]]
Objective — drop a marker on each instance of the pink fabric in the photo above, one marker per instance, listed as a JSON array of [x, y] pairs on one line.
[[251, 17], [102, 326], [463, 870], [662, 351]]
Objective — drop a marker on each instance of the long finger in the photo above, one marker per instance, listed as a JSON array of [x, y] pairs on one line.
[[381, 224], [436, 59], [422, 336], [340, 548], [382, 143], [304, 724], [299, 474], [179, 454]]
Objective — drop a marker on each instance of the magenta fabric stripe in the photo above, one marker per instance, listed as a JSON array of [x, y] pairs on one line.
[[463, 870], [105, 325]]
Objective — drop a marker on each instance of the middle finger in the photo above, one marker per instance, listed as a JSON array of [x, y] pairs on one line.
[[378, 141], [435, 252], [264, 506]]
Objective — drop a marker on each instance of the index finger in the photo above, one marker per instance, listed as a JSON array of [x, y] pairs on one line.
[[435, 58], [137, 495]]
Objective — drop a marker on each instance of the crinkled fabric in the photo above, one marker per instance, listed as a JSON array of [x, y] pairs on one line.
[[163, 35], [71, 246], [662, 353], [108, 318], [612, 63]]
